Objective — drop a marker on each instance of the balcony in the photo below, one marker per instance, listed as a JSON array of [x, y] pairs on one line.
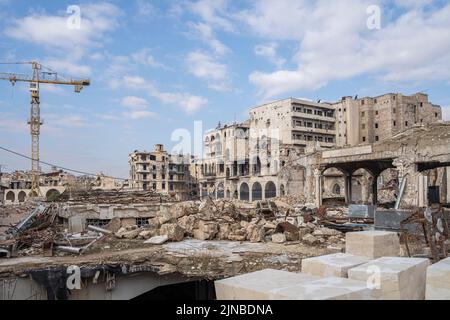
[[314, 130], [312, 116]]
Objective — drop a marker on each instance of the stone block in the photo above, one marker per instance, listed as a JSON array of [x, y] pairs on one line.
[[332, 265], [361, 211], [372, 244], [173, 231], [272, 284], [328, 288], [257, 285], [393, 278], [278, 238], [438, 281]]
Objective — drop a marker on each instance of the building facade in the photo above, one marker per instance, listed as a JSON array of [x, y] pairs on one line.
[[161, 172], [253, 160], [369, 120]]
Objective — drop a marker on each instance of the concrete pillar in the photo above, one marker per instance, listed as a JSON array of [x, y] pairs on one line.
[[318, 189], [447, 175], [422, 185], [348, 189]]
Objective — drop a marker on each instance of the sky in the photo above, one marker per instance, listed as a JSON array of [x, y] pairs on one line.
[[157, 67]]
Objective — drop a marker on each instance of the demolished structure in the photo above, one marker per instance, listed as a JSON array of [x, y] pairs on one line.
[[274, 192]]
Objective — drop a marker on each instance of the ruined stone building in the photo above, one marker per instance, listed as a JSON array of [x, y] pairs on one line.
[[253, 160], [257, 159], [369, 120], [17, 185], [161, 172]]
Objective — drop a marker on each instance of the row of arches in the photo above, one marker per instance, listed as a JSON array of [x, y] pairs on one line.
[[270, 191], [22, 195]]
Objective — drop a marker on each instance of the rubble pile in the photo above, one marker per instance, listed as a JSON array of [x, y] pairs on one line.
[[235, 221], [112, 197]]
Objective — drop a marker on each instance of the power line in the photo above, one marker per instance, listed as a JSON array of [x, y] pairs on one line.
[[54, 165]]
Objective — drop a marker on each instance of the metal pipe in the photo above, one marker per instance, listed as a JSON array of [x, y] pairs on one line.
[[97, 229], [69, 249]]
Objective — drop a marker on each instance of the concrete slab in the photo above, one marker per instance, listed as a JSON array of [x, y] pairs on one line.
[[361, 211], [393, 278], [258, 285], [389, 219], [335, 265], [438, 281], [329, 288], [372, 244]]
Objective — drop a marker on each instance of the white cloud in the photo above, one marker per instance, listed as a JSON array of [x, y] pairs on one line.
[[269, 51], [68, 120], [51, 30], [134, 102], [335, 44], [206, 34], [187, 102], [213, 13], [8, 124], [205, 67], [144, 57], [145, 9], [68, 67], [139, 114], [412, 3]]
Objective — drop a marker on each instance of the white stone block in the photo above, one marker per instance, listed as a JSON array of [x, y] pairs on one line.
[[372, 244], [393, 278], [438, 281], [272, 284], [332, 265], [257, 285], [329, 288]]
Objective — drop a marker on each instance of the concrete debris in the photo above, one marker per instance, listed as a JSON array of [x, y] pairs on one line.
[[157, 239], [279, 238], [310, 239], [173, 231]]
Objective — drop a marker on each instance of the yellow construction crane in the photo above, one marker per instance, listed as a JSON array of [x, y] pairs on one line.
[[40, 75]]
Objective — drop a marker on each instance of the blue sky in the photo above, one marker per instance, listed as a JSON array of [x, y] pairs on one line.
[[156, 66]]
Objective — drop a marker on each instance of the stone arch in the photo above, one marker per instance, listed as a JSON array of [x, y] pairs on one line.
[[337, 189], [282, 191], [256, 191], [220, 191], [21, 196], [270, 190], [51, 194], [244, 193], [10, 196]]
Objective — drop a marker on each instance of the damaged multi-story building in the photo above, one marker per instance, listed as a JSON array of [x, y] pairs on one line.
[[161, 172], [253, 160], [257, 159]]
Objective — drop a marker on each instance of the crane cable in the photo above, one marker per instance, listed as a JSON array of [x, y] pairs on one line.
[[54, 165]]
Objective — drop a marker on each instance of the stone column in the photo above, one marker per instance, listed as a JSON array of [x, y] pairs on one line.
[[375, 190], [318, 187], [407, 170], [422, 194], [447, 183], [348, 188]]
